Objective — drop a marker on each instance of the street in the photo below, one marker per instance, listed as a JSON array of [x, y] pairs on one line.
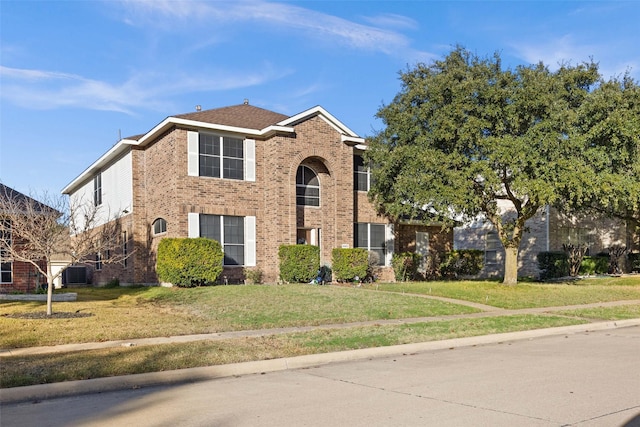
[[581, 379]]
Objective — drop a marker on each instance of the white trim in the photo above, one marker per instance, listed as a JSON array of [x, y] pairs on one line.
[[250, 160], [193, 220], [319, 111], [193, 156], [249, 241], [389, 243]]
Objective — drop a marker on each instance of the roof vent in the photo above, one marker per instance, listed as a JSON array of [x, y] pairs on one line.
[[246, 101], [198, 108]]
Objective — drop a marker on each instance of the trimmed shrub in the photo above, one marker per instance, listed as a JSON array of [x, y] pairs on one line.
[[189, 262], [349, 264], [553, 265], [594, 265], [405, 266], [299, 263], [463, 262]]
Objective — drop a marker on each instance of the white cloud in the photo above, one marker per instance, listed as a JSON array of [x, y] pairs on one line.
[[40, 89], [217, 16]]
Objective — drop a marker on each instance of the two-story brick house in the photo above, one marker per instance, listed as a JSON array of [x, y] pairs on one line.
[[250, 178]]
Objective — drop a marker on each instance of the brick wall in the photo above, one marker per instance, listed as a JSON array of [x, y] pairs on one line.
[[162, 189]]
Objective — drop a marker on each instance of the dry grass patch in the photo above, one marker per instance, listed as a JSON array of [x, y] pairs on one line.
[[127, 313], [41, 369]]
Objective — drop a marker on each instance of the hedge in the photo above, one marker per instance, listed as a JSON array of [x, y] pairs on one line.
[[299, 263], [405, 265], [350, 264], [189, 262], [463, 262]]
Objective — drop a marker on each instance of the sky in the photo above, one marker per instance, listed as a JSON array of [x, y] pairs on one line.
[[75, 76]]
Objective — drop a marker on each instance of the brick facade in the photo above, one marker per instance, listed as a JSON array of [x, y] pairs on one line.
[[163, 188]]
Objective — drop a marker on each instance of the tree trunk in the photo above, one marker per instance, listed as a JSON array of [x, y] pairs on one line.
[[510, 266], [49, 289]]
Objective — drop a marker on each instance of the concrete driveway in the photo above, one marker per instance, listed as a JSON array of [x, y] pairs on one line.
[[577, 379]]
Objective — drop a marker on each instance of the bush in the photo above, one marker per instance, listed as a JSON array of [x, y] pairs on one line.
[[299, 263], [594, 265], [634, 261], [463, 262], [189, 262], [253, 275], [553, 265], [405, 266], [350, 264]]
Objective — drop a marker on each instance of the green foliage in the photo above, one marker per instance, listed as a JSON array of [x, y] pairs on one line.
[[594, 265], [463, 262], [405, 266], [298, 263], [349, 263], [189, 262], [634, 261], [463, 133], [253, 275], [553, 265]]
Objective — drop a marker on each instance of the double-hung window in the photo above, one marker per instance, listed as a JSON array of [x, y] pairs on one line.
[[236, 234], [361, 174], [97, 189], [307, 187], [6, 266], [221, 156], [372, 237], [492, 245]]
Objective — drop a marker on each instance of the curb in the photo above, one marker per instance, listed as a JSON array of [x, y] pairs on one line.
[[181, 376]]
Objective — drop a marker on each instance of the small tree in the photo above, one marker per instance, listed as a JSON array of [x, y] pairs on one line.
[[575, 254], [53, 226]]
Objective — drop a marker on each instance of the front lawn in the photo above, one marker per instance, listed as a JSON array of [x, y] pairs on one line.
[[527, 295]]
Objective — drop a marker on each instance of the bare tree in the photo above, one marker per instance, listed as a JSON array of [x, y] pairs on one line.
[[35, 231]]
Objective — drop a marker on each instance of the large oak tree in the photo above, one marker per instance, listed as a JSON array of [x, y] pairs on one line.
[[464, 133]]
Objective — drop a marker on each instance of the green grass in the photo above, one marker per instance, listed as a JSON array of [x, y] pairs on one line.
[[526, 295], [127, 313], [41, 369]]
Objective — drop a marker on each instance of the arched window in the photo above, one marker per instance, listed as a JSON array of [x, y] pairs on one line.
[[307, 187], [159, 226]]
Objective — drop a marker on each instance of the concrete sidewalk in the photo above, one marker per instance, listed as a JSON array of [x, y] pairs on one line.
[[489, 311], [47, 391]]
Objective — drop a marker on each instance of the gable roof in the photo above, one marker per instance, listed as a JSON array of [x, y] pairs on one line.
[[243, 118]]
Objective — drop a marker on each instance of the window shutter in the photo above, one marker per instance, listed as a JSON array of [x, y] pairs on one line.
[[250, 241], [192, 153], [194, 224], [249, 159], [389, 243]]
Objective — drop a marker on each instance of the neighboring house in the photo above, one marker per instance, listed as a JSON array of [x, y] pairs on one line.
[[546, 231], [250, 178], [16, 276]]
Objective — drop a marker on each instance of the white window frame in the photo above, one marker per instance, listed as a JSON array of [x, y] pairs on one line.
[[359, 174], [6, 262], [97, 189], [249, 236], [248, 160], [387, 249], [306, 186]]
